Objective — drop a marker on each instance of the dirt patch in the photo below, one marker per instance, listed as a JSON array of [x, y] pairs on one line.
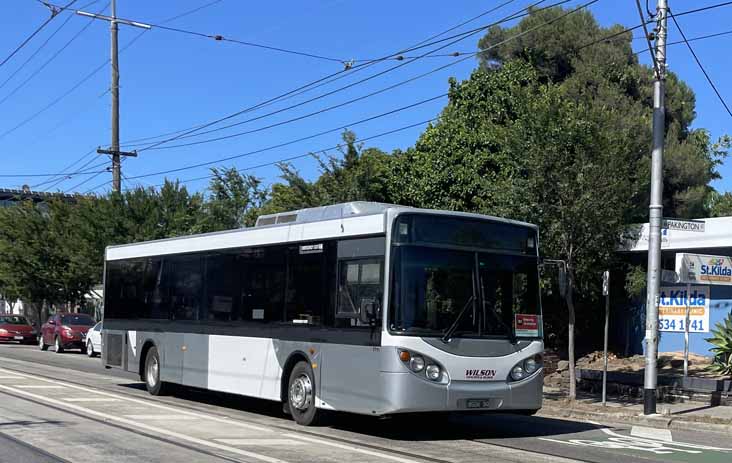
[[669, 363]]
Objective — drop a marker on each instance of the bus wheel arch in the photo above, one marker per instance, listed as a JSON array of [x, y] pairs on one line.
[[143, 357], [294, 358]]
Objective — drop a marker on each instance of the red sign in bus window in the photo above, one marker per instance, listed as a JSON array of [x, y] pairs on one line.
[[527, 325]]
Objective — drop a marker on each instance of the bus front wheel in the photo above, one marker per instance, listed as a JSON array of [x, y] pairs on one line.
[[301, 395], [152, 373]]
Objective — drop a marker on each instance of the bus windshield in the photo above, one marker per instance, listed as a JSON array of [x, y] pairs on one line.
[[451, 292]]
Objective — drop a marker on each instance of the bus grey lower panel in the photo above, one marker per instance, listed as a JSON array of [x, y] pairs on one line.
[[113, 348]]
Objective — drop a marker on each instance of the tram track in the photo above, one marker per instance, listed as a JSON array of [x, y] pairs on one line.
[[289, 429]]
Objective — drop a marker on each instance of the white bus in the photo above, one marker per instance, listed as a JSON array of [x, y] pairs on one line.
[[361, 307]]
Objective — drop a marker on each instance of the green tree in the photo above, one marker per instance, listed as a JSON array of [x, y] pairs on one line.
[[609, 75], [358, 174], [721, 204], [234, 201], [511, 144], [46, 256]]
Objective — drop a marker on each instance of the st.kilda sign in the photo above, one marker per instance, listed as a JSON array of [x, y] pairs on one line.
[[704, 269]]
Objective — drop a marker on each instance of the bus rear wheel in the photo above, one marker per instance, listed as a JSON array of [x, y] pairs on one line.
[[301, 395], [152, 373]]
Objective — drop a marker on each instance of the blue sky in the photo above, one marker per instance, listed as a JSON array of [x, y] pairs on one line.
[[171, 81]]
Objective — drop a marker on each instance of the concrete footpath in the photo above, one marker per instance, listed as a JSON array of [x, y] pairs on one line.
[[680, 416]]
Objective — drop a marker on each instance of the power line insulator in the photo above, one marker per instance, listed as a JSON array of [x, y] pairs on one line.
[[218, 37], [399, 58]]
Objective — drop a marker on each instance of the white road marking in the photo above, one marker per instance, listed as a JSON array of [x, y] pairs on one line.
[[10, 377], [142, 426], [36, 386], [161, 417], [350, 448], [87, 399], [675, 444], [651, 433], [149, 404], [262, 442]]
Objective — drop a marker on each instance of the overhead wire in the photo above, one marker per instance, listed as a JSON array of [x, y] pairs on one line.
[[630, 29], [648, 36], [49, 60], [203, 164], [690, 39], [221, 38], [297, 140], [292, 158], [190, 12], [55, 181], [326, 79], [622, 32], [54, 13], [699, 63], [457, 38], [59, 98], [39, 49]]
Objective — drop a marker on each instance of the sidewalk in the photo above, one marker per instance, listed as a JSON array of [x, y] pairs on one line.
[[681, 416]]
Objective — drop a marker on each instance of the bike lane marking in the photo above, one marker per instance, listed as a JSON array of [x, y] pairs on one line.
[[650, 448]]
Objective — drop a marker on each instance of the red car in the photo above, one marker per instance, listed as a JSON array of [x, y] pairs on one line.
[[16, 328], [65, 331]]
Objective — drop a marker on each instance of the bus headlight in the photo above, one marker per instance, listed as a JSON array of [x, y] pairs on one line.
[[526, 368], [532, 364], [422, 366], [518, 373], [433, 372], [416, 363]]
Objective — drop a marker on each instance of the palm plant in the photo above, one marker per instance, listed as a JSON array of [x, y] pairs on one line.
[[722, 341]]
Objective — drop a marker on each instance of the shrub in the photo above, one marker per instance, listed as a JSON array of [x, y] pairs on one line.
[[722, 341]]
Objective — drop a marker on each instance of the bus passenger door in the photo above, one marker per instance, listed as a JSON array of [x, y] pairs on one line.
[[352, 361]]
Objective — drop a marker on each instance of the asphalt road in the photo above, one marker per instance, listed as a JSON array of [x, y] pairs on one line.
[[69, 405]]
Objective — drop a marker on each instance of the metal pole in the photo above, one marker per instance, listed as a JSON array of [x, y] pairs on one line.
[[686, 332], [114, 90], [606, 288], [655, 216]]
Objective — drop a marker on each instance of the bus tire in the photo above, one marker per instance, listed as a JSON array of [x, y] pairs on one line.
[[152, 373], [301, 395]]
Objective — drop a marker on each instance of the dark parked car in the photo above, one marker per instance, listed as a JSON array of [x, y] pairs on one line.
[[16, 328], [65, 331]]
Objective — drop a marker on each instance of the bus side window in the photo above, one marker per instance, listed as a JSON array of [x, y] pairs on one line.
[[220, 287], [186, 285], [306, 285], [359, 291], [262, 287]]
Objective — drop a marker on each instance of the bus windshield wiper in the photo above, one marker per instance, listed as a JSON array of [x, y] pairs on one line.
[[509, 329], [448, 334]]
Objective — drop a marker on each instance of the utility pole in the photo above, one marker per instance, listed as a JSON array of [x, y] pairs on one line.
[[114, 90], [655, 214], [113, 150]]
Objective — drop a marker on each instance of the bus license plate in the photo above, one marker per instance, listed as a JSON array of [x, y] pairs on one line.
[[478, 403]]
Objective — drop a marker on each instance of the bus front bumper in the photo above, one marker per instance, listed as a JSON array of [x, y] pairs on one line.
[[407, 393]]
